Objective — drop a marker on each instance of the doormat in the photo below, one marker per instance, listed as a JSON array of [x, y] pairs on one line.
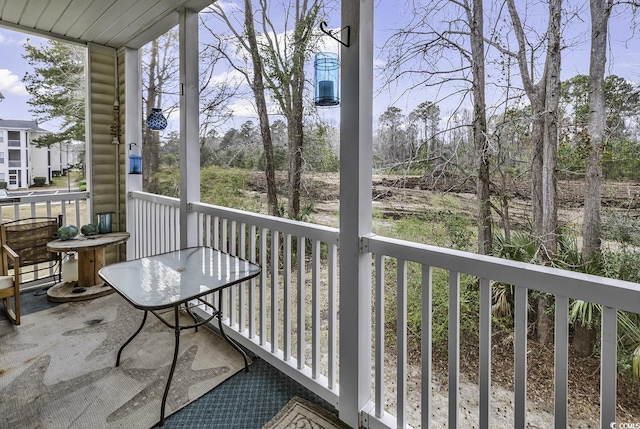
[[299, 413], [57, 369]]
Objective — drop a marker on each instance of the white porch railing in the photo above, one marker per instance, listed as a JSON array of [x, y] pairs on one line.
[[269, 315], [72, 206], [289, 315], [611, 294]]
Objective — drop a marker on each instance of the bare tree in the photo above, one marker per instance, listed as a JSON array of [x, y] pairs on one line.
[[426, 42], [476, 27], [600, 12], [544, 97], [284, 72], [246, 39]]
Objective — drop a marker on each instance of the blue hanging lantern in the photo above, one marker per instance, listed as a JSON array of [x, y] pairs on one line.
[[135, 159], [327, 92], [156, 120]]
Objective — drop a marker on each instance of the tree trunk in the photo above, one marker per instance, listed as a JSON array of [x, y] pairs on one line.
[[296, 139], [544, 99], [296, 135], [583, 339], [537, 163], [600, 12], [552, 100], [544, 325], [476, 24], [261, 105]]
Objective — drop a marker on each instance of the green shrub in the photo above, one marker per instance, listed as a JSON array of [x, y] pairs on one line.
[[3, 185], [82, 185], [39, 181]]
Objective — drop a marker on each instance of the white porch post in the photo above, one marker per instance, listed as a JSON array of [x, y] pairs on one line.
[[355, 209], [189, 126], [132, 131]]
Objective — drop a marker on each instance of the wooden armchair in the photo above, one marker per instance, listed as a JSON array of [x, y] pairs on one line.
[[23, 243]]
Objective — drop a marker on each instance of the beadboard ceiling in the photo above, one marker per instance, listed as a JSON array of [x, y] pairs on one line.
[[113, 23]]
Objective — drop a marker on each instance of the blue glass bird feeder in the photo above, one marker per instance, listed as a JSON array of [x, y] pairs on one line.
[[327, 67], [135, 159]]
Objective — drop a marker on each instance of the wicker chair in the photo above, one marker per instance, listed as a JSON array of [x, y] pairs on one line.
[[24, 258]]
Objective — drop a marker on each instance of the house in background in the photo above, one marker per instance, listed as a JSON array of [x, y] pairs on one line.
[[20, 160], [65, 155]]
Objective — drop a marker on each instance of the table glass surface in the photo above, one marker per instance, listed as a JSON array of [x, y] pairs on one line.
[[165, 280]]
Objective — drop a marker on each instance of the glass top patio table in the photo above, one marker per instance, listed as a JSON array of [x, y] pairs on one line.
[[170, 279]]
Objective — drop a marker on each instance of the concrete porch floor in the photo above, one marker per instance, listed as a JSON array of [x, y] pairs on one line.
[[246, 400]]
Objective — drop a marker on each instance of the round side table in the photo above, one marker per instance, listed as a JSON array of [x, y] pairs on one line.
[[91, 251]]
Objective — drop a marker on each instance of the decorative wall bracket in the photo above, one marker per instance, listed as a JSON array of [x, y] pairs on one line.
[[332, 34]]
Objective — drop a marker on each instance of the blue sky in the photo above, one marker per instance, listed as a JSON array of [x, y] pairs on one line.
[[624, 59], [12, 70]]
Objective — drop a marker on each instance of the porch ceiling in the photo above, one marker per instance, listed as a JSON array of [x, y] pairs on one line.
[[113, 23]]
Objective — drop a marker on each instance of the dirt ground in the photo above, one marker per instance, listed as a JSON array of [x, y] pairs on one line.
[[398, 196]]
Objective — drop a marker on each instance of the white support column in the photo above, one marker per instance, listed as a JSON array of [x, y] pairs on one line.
[[189, 126], [132, 131], [355, 209]]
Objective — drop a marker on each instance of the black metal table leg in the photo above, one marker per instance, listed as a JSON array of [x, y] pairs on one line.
[[173, 364], [190, 313], [144, 319], [229, 340]]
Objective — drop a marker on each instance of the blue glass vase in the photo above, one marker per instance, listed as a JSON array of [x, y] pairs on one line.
[[156, 120]]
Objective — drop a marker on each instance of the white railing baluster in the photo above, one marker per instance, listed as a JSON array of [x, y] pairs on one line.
[[263, 287], [216, 233], [286, 299], [315, 309], [379, 332], [163, 228], [252, 283], [401, 339], [242, 300], [561, 362], [485, 354], [454, 348], [520, 359], [301, 303], [224, 246], [333, 310], [233, 291], [425, 345], [204, 236], [275, 262], [608, 366]]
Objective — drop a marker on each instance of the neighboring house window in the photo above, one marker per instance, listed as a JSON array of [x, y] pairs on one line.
[[2, 177], [1, 157], [13, 138], [1, 136]]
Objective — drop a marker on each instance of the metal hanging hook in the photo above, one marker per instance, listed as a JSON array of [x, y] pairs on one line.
[[323, 28]]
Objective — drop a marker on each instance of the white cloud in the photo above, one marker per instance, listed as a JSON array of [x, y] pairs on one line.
[[243, 108], [233, 77], [10, 83], [18, 39]]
